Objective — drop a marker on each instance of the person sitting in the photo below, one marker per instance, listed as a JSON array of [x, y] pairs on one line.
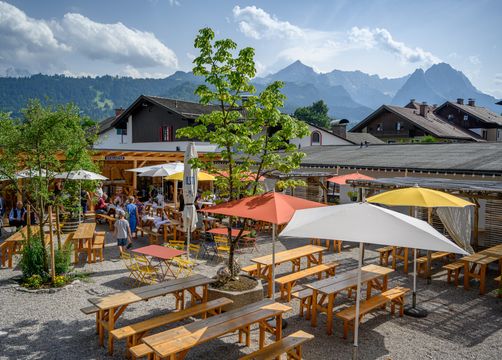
[[101, 206], [3, 208], [17, 216]]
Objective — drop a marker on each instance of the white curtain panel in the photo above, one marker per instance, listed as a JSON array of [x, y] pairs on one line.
[[458, 223]]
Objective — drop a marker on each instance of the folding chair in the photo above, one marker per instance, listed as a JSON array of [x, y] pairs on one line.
[[148, 272], [208, 244], [222, 246], [134, 272]]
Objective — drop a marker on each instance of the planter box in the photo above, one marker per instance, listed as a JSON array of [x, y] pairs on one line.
[[239, 298]]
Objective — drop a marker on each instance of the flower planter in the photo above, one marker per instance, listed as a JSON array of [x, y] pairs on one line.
[[239, 298]]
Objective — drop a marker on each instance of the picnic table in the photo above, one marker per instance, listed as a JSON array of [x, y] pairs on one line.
[[82, 240], [375, 276], [475, 266], [181, 339], [264, 263], [150, 221], [401, 253], [13, 244], [224, 232], [164, 256], [112, 306]]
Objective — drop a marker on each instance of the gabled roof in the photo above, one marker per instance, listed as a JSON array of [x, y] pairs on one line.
[[358, 138], [329, 132], [106, 124], [478, 112], [430, 123]]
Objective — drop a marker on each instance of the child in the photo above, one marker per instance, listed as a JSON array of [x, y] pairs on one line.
[[122, 232]]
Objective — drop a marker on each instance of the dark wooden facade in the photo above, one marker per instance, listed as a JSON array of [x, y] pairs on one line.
[[461, 118], [385, 126]]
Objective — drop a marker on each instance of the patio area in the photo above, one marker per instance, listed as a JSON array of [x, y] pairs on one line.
[[460, 324]]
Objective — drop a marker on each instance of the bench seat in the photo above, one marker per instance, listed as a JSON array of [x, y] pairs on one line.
[[394, 296], [252, 270], [305, 297], [422, 261], [454, 269], [290, 345], [134, 332], [287, 282], [141, 350], [110, 219]]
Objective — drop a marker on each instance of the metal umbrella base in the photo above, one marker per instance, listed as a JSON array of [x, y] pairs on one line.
[[414, 310]]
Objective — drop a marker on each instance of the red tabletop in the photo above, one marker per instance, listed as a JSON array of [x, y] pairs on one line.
[[160, 252], [224, 231]]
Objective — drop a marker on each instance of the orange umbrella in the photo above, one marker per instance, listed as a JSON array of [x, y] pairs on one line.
[[272, 207], [342, 179]]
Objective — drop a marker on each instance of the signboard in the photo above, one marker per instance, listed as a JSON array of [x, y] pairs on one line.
[[115, 158]]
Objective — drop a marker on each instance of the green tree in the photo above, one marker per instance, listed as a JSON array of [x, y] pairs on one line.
[[252, 134], [316, 114], [44, 141]]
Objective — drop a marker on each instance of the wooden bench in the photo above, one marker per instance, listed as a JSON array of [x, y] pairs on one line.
[[499, 279], [97, 247], [92, 310], [4, 247], [305, 297], [385, 253], [134, 332], [287, 282], [422, 261], [290, 345], [252, 270], [394, 296], [110, 219], [454, 269]]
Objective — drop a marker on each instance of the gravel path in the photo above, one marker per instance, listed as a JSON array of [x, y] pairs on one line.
[[461, 324]]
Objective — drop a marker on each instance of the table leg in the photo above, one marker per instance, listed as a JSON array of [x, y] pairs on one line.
[[75, 245], [101, 330], [385, 283], [406, 260], [278, 327], [11, 254], [175, 231], [204, 294], [394, 257], [467, 274], [482, 279], [369, 287], [111, 326], [329, 321], [320, 259], [89, 250], [313, 309], [270, 282]]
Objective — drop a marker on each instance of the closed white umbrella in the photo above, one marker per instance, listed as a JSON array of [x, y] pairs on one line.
[[365, 223], [189, 192]]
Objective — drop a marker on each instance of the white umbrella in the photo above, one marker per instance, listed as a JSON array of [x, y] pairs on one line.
[[177, 165], [30, 173], [365, 223], [189, 193], [80, 175], [163, 171]]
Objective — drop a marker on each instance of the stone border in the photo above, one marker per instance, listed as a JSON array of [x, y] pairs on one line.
[[51, 290]]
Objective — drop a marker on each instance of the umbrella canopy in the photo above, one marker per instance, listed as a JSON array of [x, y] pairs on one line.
[[80, 175], [342, 179], [30, 173], [202, 176], [190, 176], [272, 207], [381, 226], [418, 196], [176, 165]]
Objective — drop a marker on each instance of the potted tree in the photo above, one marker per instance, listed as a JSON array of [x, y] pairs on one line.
[[249, 129]]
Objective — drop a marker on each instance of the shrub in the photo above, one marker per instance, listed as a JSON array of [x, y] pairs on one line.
[[32, 261], [60, 280], [34, 281], [62, 261]]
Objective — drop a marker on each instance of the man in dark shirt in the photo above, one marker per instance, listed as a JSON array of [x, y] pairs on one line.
[[17, 216]]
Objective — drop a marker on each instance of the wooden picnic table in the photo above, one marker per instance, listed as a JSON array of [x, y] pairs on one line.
[[374, 275], [14, 242], [149, 221], [175, 343], [82, 240], [112, 306], [401, 253], [164, 256], [264, 263], [475, 266]]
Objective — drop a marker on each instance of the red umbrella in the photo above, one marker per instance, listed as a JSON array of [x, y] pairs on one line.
[[272, 207], [342, 179]]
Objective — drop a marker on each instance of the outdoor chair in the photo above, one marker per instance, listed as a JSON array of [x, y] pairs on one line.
[[208, 245], [194, 251], [147, 271], [135, 275], [222, 246], [185, 266]]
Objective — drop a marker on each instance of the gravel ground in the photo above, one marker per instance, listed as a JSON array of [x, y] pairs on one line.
[[461, 324]]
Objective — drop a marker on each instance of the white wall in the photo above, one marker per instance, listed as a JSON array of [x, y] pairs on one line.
[[326, 139]]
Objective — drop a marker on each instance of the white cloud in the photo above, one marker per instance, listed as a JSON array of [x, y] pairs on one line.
[[257, 23], [474, 60], [41, 45], [498, 79], [115, 42], [382, 38], [174, 3], [139, 74]]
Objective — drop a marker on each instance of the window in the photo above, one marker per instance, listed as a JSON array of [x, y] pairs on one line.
[[398, 126], [315, 138], [466, 117], [450, 117], [166, 133], [380, 127], [121, 131]]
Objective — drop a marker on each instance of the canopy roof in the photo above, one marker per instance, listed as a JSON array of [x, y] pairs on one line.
[[272, 207], [380, 226], [342, 179]]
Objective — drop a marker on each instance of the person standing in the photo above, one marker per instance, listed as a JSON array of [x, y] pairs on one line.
[[84, 197], [122, 232], [132, 211], [17, 216], [3, 205]]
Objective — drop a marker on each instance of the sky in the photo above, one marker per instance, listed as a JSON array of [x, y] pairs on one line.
[[154, 38]]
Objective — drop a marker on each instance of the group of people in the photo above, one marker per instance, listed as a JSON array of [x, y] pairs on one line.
[[18, 215]]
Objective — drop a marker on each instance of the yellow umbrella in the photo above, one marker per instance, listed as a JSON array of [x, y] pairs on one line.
[[201, 177], [418, 197]]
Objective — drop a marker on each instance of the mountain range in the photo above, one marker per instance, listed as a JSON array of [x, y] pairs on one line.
[[349, 94]]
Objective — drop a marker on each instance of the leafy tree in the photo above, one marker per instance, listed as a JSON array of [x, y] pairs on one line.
[[250, 133], [45, 141], [316, 114]]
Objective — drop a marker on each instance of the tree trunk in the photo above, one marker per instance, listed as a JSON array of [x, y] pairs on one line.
[[58, 228], [41, 226], [51, 244]]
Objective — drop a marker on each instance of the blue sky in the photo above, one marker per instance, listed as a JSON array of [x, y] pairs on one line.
[[154, 38]]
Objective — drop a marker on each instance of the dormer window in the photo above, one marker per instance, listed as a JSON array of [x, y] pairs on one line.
[[398, 126], [166, 133], [380, 127], [315, 138], [466, 117]]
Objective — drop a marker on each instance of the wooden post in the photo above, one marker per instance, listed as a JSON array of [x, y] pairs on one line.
[[51, 244], [134, 176], [175, 194], [28, 224], [476, 223], [58, 229], [429, 254], [19, 194]]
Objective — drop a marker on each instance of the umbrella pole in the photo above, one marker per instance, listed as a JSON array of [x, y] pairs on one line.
[[358, 299], [274, 229], [414, 299]]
